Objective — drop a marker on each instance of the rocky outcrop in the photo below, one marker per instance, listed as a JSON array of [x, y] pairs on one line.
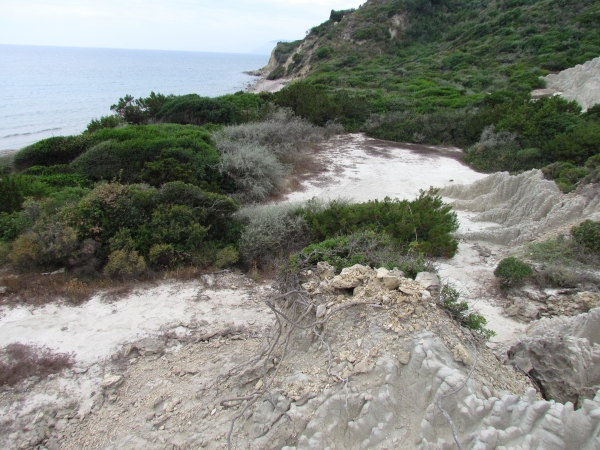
[[525, 205], [563, 355], [580, 83]]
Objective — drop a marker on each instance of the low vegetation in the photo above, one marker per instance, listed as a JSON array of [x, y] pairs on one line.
[[449, 299], [512, 271], [19, 362], [567, 261]]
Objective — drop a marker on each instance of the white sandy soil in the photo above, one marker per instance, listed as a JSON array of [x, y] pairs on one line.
[[96, 329], [360, 168]]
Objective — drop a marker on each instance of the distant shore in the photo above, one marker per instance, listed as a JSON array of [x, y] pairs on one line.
[[264, 85]]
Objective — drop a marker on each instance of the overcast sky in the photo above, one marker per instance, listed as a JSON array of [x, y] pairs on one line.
[[233, 26]]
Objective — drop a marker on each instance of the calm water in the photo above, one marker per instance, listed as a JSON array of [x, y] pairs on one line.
[[54, 91]]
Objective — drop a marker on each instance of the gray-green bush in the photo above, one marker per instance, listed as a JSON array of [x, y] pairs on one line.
[[271, 232]]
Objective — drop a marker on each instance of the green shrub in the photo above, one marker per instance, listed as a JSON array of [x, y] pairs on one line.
[[195, 110], [449, 298], [512, 271], [323, 52], [553, 251], [362, 247], [123, 152], [162, 255], [165, 169], [226, 257], [124, 264], [14, 189], [587, 234], [424, 223], [52, 151], [11, 226], [113, 121], [123, 261], [140, 111], [47, 244]]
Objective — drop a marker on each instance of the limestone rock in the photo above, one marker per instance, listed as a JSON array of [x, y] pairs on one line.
[[403, 357], [350, 277], [462, 355], [321, 311], [148, 346], [325, 270], [523, 310], [563, 355], [111, 381], [381, 272], [428, 280]]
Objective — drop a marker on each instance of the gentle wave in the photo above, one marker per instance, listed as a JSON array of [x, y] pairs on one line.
[[30, 133]]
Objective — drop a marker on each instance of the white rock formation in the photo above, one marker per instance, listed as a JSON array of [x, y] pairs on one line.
[[524, 206], [580, 83]]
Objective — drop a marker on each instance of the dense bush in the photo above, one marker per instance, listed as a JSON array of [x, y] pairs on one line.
[[122, 153], [259, 156], [587, 234], [184, 109], [423, 224], [113, 121], [52, 151], [271, 232], [283, 133], [14, 189], [256, 171], [362, 247], [512, 271]]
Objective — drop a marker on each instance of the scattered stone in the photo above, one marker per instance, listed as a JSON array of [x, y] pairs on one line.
[[523, 310], [403, 357], [382, 272], [461, 355], [149, 346], [321, 311], [428, 280], [363, 367], [111, 381], [350, 277], [325, 270]]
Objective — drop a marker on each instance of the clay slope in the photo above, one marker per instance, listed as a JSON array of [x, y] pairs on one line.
[[524, 206], [580, 83]]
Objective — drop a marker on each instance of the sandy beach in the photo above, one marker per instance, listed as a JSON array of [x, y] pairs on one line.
[[264, 85]]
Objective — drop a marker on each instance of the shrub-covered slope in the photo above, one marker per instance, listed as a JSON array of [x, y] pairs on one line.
[[435, 53]]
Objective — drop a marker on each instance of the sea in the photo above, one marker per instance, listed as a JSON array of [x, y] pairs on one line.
[[56, 91]]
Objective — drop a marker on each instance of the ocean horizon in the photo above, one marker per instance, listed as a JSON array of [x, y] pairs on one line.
[[57, 91]]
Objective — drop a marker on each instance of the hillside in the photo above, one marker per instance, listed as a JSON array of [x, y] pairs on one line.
[[424, 54]]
